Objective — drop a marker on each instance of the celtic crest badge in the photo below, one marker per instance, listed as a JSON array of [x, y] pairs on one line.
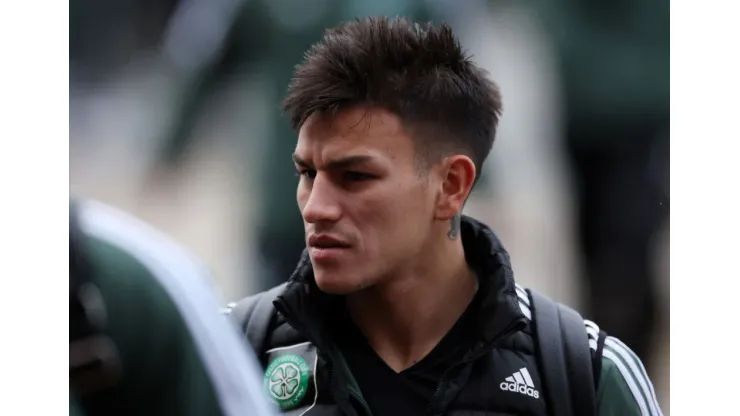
[[286, 380]]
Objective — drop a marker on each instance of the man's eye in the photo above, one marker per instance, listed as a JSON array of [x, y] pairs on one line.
[[308, 173], [357, 176]]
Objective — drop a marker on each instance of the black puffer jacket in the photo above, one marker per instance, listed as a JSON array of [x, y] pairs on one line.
[[289, 327]]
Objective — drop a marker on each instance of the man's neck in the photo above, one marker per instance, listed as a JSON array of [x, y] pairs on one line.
[[404, 318]]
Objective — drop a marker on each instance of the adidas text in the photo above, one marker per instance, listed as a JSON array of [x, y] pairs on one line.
[[520, 389], [520, 382]]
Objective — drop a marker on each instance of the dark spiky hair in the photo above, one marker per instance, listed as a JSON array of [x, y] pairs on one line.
[[418, 72]]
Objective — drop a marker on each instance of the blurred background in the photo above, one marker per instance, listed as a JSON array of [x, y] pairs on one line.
[[174, 117]]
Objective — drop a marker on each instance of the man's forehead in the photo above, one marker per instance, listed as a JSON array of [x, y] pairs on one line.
[[354, 123], [361, 134]]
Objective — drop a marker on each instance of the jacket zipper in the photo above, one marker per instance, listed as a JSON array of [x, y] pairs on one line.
[[285, 310]]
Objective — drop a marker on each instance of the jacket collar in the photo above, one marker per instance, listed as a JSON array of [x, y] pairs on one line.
[[497, 307]]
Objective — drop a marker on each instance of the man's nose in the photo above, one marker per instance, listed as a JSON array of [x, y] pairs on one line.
[[322, 204]]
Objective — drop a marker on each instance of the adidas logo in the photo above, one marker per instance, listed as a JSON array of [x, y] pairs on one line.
[[520, 382]]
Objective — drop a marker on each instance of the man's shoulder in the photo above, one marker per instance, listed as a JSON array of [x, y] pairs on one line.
[[257, 318], [591, 329], [243, 309], [624, 387]]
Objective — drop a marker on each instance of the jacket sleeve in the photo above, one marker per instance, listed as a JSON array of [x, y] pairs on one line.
[[624, 386]]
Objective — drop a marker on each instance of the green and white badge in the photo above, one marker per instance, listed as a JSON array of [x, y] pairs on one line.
[[286, 380]]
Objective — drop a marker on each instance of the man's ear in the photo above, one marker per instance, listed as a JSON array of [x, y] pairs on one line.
[[458, 175]]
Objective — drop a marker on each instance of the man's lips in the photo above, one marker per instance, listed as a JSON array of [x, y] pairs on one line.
[[325, 248], [326, 241]]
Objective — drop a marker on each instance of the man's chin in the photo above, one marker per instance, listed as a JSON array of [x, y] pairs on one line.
[[336, 285]]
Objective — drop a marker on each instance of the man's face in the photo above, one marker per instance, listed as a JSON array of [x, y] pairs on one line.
[[366, 208]]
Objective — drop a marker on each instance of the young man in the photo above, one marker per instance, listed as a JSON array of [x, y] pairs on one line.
[[401, 306], [146, 336]]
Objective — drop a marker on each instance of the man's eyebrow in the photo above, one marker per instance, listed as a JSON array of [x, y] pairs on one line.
[[298, 161], [342, 163]]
